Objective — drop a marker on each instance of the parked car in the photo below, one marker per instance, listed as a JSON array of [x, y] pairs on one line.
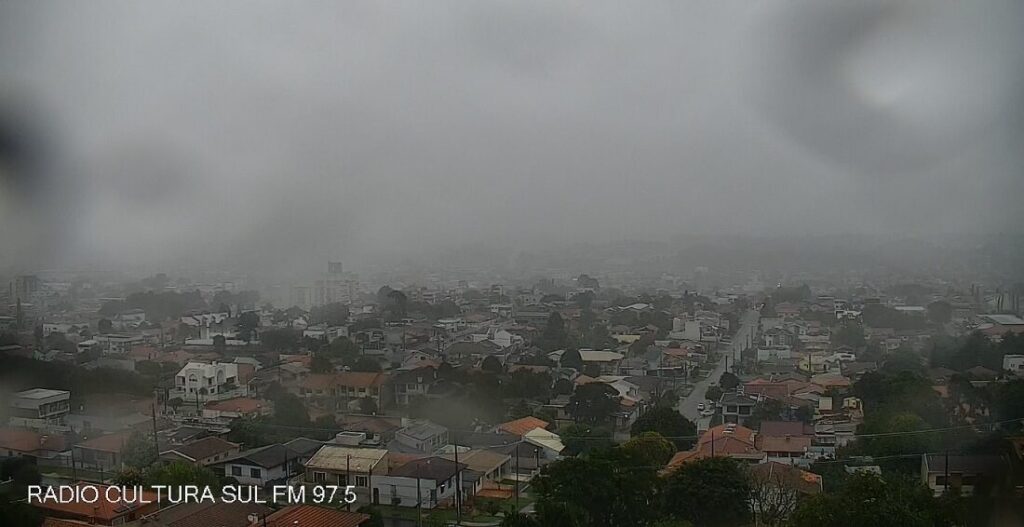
[[700, 407]]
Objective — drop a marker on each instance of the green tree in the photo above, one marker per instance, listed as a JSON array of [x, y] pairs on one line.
[[219, 343], [367, 364], [767, 410], [554, 336], [593, 403], [321, 364], [868, 500], [572, 359], [713, 393], [333, 314], [668, 423], [709, 492], [609, 488], [247, 324], [520, 520], [104, 326], [940, 312], [180, 473], [367, 406], [280, 339], [139, 451], [18, 513], [729, 381], [491, 364], [651, 446], [849, 334], [581, 438]]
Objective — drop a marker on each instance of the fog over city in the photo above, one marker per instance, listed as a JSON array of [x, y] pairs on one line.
[[271, 136]]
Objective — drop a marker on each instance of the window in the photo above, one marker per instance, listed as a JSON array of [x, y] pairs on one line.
[[361, 481], [940, 480], [255, 472], [343, 480], [236, 470], [319, 477]]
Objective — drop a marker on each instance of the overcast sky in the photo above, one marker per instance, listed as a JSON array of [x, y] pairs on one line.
[[277, 131]]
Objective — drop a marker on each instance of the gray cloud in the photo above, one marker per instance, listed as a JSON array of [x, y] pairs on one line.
[[279, 134]]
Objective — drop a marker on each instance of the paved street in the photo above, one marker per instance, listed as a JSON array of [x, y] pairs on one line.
[[688, 405]]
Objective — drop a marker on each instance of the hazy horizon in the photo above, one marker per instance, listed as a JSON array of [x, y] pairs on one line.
[[169, 134]]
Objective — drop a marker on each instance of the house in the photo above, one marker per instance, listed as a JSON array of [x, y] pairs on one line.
[[727, 440], [377, 429], [267, 465], [103, 452], [235, 408], [736, 407], [16, 442], [471, 351], [519, 427], [426, 483], [104, 510], [959, 473], [128, 319], [787, 449], [206, 380], [203, 513], [349, 386], [412, 383], [1014, 363], [420, 436], [483, 467], [546, 445], [39, 407], [344, 465], [117, 344], [202, 452], [774, 482], [311, 516]]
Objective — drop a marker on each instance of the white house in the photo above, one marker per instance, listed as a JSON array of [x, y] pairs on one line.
[[39, 407], [428, 482], [1014, 363], [206, 379], [263, 466]]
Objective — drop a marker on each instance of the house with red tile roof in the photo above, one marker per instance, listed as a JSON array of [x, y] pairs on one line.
[[102, 452], [312, 516], [727, 440], [206, 514], [24, 442], [520, 427], [102, 511]]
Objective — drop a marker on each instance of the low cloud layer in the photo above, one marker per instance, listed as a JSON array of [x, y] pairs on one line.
[[280, 134]]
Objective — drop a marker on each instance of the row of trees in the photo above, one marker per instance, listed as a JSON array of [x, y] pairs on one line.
[[621, 487]]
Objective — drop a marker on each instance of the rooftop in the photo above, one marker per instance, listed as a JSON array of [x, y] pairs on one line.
[[432, 468], [41, 393], [521, 426], [337, 457], [313, 516]]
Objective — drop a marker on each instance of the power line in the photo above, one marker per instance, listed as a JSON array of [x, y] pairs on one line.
[[612, 437]]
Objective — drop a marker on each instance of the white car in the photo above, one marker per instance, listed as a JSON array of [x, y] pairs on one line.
[[707, 412]]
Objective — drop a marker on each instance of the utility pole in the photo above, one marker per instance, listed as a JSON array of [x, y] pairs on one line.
[[419, 502], [517, 475], [156, 443], [946, 471], [348, 476], [458, 484]]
